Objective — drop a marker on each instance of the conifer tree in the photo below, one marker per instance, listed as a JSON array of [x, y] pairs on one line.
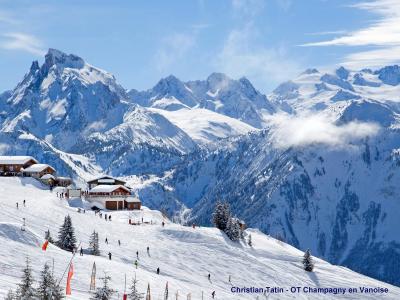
[[48, 237], [134, 294], [25, 288], [308, 263], [66, 235], [221, 215], [249, 241], [233, 230], [11, 295], [104, 292], [94, 243], [48, 288]]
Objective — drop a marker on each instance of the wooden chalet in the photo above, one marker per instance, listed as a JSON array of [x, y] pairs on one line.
[[12, 165], [38, 170], [113, 197], [63, 181], [105, 180]]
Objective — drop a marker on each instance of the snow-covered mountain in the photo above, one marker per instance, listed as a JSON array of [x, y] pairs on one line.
[[324, 176], [237, 99], [184, 255], [315, 163], [77, 108]]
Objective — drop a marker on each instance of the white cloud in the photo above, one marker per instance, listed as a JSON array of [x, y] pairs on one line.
[[383, 33], [304, 130], [242, 55], [173, 48], [23, 42]]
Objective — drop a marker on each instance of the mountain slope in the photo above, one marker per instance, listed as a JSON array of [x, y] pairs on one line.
[[237, 99], [184, 255], [77, 108]]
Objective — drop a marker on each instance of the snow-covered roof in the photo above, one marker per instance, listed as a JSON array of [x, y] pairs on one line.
[[107, 188], [17, 160], [37, 168], [63, 178], [105, 179], [47, 176], [132, 200]]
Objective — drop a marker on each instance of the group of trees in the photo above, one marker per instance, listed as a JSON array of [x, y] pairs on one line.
[[67, 240], [105, 292], [48, 289], [223, 220]]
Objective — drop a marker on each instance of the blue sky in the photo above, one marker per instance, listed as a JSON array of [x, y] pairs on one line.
[[141, 41]]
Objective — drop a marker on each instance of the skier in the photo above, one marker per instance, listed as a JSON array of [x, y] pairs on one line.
[[119, 242], [24, 202], [81, 252], [194, 226], [109, 218], [209, 276], [17, 205], [109, 255], [163, 224], [148, 250], [213, 294], [105, 216], [136, 263], [137, 254], [106, 241], [158, 271]]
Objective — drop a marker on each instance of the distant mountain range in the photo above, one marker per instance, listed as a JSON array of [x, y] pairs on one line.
[[315, 163]]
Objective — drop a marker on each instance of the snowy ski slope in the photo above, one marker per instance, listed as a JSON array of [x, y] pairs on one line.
[[184, 255]]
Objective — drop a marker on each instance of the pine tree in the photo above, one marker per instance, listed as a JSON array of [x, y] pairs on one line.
[[66, 235], [48, 237], [221, 215], [233, 230], [249, 241], [94, 243], [11, 295], [104, 292], [307, 261], [134, 294], [48, 288], [25, 288]]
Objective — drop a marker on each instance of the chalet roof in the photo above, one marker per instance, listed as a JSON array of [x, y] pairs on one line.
[[107, 188], [17, 160], [106, 179], [63, 178], [47, 176], [132, 200], [36, 168]]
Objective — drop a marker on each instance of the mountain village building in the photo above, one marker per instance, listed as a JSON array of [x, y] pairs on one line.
[[38, 170], [111, 193], [12, 165], [105, 180]]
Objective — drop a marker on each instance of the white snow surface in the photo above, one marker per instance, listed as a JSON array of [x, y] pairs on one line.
[[205, 126], [184, 255]]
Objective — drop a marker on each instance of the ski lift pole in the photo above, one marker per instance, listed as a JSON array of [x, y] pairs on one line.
[[70, 261]]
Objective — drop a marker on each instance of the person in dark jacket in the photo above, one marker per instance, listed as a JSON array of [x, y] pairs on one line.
[[109, 255], [158, 271]]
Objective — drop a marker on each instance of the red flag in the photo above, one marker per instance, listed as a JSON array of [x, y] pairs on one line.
[[70, 273], [44, 246]]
